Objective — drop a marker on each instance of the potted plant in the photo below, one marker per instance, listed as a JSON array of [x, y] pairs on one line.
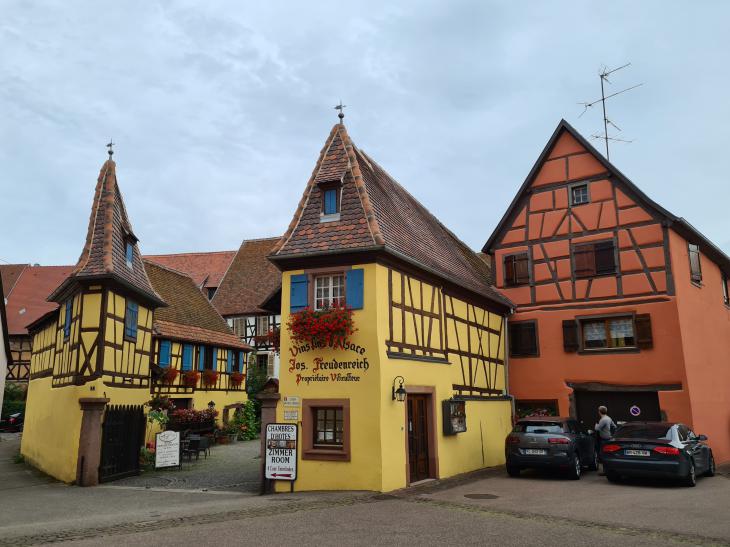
[[326, 327], [275, 339], [210, 377], [170, 375], [191, 377], [236, 379]]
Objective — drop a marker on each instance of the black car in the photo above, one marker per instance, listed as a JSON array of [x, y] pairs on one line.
[[13, 423], [657, 449], [550, 442]]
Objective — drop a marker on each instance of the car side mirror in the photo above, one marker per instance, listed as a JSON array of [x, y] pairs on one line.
[[701, 437]]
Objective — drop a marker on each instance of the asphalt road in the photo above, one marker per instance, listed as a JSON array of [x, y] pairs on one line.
[[488, 508]]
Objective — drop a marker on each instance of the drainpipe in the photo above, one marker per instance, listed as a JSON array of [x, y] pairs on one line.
[[506, 362]]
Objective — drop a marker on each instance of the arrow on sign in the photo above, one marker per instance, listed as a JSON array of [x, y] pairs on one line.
[[281, 474]]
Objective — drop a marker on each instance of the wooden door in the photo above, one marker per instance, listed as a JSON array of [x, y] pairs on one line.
[[418, 431]]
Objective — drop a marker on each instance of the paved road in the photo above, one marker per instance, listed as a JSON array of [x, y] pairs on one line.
[[481, 509]]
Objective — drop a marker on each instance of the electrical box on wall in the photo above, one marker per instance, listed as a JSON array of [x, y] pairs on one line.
[[454, 412]]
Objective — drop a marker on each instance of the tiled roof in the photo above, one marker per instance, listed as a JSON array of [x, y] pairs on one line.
[[188, 315], [250, 280], [206, 269], [28, 300], [104, 254], [377, 212], [10, 274]]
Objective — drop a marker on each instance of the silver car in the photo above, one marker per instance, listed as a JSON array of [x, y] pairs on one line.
[[550, 442]]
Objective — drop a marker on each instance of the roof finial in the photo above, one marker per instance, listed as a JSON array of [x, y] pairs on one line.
[[111, 150], [341, 108]]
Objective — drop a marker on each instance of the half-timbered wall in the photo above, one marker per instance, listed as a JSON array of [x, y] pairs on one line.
[[67, 349], [44, 351], [20, 353], [246, 327], [427, 323], [548, 227], [126, 362]]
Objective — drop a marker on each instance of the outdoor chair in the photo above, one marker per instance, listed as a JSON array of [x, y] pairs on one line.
[[193, 447], [203, 446]]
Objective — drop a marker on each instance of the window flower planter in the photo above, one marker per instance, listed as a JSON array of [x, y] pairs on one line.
[[321, 327], [210, 377], [191, 377], [170, 375], [236, 379]]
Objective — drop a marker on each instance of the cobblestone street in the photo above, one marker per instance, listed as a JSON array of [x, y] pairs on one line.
[[233, 467]]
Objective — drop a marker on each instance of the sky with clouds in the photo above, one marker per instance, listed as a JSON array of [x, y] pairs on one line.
[[219, 109]]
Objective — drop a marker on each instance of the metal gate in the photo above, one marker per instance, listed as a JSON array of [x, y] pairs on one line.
[[122, 437], [623, 406]]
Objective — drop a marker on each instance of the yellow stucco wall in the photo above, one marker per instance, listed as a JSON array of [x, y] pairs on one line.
[[377, 423]]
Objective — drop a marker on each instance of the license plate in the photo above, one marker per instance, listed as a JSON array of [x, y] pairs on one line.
[[637, 452], [534, 452]]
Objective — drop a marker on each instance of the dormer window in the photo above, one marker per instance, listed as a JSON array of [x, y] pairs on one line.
[[330, 203], [129, 253], [579, 194]]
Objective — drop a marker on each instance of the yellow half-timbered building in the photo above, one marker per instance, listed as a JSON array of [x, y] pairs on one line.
[[418, 390], [110, 345]]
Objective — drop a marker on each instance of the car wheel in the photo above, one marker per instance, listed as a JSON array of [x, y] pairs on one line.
[[594, 462], [575, 470], [711, 467], [613, 477], [513, 471], [691, 478]]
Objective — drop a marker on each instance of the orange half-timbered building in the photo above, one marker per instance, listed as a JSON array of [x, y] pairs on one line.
[[618, 301]]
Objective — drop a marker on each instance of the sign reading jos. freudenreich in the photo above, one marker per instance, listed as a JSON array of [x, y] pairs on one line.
[[167, 449], [281, 452]]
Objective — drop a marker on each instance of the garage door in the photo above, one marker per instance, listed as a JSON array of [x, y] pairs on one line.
[[623, 406]]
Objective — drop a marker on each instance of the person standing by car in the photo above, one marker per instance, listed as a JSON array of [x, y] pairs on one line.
[[604, 428]]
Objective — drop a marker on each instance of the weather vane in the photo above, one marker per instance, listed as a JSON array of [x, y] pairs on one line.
[[341, 108], [109, 146], [605, 72]]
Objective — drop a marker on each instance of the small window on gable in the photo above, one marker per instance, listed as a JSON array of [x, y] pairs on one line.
[[579, 194], [129, 253], [516, 270], [67, 319], [330, 201], [591, 259], [694, 263]]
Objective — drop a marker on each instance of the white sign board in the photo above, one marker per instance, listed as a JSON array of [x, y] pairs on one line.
[[281, 452], [291, 415], [167, 449], [292, 401]]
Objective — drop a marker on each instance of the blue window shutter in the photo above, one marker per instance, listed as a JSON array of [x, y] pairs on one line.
[[201, 357], [214, 360], [240, 361], [187, 363], [164, 353], [330, 202], [130, 323], [230, 360], [67, 322], [299, 292], [354, 285]]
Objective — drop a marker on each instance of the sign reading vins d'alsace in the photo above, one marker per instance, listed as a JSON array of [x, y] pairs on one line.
[[281, 452], [348, 368]]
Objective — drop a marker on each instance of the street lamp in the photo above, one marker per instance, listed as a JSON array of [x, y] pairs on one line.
[[400, 393]]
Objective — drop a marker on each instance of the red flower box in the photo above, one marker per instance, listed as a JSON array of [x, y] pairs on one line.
[[191, 377], [170, 375], [236, 379], [322, 327], [210, 377]]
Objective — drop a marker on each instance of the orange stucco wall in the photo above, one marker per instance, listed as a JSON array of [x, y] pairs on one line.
[[705, 331]]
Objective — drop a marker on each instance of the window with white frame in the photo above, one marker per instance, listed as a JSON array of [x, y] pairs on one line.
[[329, 291], [262, 325]]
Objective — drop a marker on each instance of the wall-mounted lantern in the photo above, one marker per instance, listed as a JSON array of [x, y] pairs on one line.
[[400, 393]]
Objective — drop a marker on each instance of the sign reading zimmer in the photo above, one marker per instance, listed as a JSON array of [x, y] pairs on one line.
[[281, 452], [167, 449]]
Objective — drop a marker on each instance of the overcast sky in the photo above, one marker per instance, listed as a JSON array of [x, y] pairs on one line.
[[219, 109]]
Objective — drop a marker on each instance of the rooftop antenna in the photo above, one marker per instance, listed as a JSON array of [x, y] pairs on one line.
[[341, 108], [604, 74], [111, 150]]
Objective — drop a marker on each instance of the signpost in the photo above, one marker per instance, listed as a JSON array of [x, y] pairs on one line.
[[281, 452], [167, 449]]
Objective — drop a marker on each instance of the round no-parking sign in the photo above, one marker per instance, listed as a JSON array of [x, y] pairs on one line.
[[635, 411]]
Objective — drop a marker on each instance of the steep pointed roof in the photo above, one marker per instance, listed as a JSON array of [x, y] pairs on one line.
[[567, 140], [206, 268], [104, 254], [377, 214]]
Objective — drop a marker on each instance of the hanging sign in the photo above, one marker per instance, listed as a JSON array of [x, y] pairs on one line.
[[167, 449], [281, 452]]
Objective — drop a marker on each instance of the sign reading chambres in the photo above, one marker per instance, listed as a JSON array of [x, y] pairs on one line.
[[281, 452]]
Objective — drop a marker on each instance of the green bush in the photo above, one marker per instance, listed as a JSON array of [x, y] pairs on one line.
[[245, 422], [13, 400]]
